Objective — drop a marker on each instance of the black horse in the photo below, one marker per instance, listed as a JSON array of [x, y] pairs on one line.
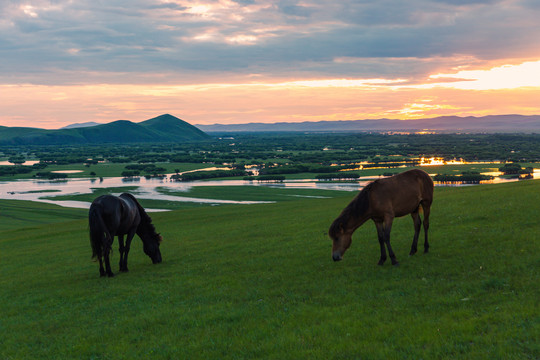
[[111, 216]]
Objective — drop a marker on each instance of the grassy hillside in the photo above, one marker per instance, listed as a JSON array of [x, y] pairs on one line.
[[164, 128], [167, 125], [258, 281]]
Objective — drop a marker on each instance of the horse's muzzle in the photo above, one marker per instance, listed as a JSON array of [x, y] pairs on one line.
[[337, 256], [156, 259]]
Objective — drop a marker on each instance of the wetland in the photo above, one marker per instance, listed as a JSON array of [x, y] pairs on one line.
[[174, 176]]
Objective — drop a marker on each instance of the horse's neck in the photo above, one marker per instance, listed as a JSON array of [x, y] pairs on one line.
[[145, 227], [354, 222]]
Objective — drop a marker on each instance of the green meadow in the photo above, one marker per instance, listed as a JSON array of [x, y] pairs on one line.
[[257, 281]]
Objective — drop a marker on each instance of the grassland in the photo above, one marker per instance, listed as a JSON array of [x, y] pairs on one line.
[[257, 281]]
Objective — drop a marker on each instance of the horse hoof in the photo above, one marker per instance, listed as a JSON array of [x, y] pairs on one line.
[[395, 263]]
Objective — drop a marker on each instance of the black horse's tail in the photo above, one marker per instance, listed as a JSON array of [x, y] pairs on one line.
[[97, 230]]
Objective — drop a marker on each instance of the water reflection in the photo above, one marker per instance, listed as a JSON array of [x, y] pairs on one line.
[[434, 161], [26, 163], [40, 190]]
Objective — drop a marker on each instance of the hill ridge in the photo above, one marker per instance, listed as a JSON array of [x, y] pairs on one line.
[[163, 128], [491, 123]]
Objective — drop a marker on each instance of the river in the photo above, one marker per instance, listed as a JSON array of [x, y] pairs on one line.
[[39, 190]]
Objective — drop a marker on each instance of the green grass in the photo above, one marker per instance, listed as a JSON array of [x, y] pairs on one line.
[[244, 282], [20, 215], [252, 193]]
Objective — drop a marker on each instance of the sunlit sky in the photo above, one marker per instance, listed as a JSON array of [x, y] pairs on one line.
[[240, 61]]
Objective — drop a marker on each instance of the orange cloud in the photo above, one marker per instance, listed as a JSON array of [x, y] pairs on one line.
[[500, 90]]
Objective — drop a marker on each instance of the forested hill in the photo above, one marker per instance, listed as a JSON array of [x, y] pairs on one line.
[[164, 128]]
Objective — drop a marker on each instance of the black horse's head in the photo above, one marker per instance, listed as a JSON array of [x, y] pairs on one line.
[[151, 247]]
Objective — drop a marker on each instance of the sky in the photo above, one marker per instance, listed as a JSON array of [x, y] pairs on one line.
[[240, 61]]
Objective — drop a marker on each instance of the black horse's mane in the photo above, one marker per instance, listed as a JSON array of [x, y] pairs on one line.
[[357, 207], [145, 227]]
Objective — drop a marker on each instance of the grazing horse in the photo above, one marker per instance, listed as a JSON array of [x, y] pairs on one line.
[[381, 201], [111, 216]]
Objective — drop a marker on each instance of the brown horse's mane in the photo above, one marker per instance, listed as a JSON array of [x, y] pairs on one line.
[[357, 207]]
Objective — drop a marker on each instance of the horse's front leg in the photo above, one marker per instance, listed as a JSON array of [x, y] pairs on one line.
[[121, 249], [101, 269], [380, 234], [417, 224], [387, 227], [130, 236]]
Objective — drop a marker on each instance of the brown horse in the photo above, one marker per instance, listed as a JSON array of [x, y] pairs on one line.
[[381, 201]]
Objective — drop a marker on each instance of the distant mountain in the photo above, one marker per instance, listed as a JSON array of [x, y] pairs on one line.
[[80, 125], [164, 128], [494, 123]]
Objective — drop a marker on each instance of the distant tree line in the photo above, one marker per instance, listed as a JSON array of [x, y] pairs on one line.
[[298, 168], [50, 175], [202, 175], [266, 178], [10, 170], [345, 175], [515, 169], [467, 177]]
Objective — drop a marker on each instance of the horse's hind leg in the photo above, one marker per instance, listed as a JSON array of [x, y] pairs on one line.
[[123, 254], [106, 255], [108, 265], [426, 209], [130, 236], [417, 224]]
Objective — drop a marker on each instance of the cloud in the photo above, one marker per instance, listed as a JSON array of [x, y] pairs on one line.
[[202, 38], [239, 42]]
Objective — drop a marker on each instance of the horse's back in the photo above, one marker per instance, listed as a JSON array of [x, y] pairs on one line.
[[119, 213], [425, 183], [105, 200], [401, 194]]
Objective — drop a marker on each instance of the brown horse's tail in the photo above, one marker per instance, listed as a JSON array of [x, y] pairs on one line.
[[97, 230]]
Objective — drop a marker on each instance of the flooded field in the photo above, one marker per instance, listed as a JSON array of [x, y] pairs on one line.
[[46, 191]]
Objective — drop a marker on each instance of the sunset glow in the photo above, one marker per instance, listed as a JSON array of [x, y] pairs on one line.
[[502, 77], [226, 61]]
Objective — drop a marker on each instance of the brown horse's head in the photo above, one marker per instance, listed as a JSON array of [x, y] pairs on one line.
[[354, 215], [341, 240]]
